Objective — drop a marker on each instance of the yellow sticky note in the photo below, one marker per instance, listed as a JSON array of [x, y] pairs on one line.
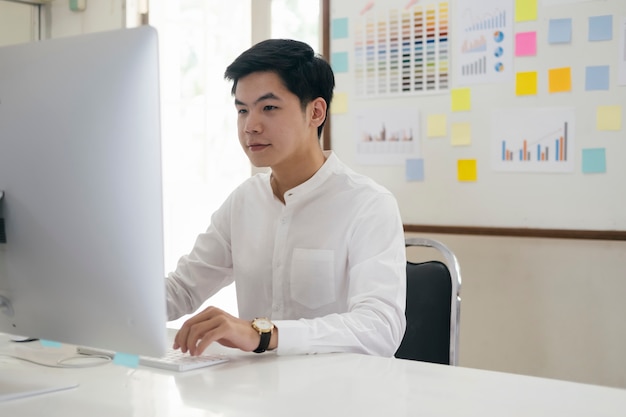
[[525, 10], [609, 118], [461, 99], [461, 134], [526, 83], [467, 169], [559, 80], [339, 105], [436, 125]]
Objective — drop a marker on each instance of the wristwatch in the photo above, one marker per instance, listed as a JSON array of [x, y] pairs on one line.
[[265, 327]]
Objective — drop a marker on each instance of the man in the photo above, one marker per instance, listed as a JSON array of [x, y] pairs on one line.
[[316, 250]]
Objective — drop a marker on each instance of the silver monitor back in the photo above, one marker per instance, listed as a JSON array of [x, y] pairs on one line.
[[80, 169]]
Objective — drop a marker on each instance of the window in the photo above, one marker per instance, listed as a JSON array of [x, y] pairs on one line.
[[202, 158]]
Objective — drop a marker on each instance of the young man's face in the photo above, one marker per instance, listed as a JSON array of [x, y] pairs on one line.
[[273, 129]]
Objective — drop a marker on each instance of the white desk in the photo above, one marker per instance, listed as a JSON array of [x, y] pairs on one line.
[[316, 385]]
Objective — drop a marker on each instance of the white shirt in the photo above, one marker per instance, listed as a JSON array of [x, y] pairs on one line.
[[328, 266]]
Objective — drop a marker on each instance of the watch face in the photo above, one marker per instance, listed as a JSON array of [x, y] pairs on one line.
[[263, 324]]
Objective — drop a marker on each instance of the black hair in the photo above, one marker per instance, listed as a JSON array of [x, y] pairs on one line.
[[304, 73]]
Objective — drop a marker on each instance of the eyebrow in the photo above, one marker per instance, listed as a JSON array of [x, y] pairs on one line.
[[266, 96]]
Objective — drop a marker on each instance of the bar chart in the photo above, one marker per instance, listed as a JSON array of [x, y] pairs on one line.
[[540, 150], [485, 42], [533, 140]]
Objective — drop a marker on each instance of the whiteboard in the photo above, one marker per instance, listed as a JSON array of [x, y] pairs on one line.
[[564, 198]]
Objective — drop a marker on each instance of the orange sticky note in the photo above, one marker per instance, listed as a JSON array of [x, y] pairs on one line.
[[526, 83], [559, 80], [461, 99], [466, 169]]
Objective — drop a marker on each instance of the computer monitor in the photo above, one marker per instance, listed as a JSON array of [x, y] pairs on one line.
[[81, 256]]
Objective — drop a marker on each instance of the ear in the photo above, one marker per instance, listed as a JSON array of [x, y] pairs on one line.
[[318, 111]]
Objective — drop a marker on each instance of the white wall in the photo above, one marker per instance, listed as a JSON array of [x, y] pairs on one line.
[[99, 15]]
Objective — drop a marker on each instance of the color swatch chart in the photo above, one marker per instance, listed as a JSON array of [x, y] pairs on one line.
[[402, 50]]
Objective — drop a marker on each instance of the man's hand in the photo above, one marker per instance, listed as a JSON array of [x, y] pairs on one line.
[[215, 325]]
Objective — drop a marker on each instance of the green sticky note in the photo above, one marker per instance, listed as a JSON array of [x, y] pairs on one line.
[[594, 161]]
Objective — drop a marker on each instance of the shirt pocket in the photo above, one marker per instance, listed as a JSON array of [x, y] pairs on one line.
[[313, 277]]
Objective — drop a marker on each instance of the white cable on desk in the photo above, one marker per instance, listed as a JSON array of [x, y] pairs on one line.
[[63, 362]]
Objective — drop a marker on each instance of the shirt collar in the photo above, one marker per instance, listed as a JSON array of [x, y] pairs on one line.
[[326, 170]]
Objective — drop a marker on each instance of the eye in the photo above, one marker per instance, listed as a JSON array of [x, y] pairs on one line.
[[242, 111], [269, 107]]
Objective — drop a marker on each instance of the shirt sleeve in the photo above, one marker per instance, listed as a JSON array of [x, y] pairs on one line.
[[203, 272], [375, 321]]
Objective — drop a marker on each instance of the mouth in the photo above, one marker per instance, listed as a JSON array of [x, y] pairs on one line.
[[257, 147]]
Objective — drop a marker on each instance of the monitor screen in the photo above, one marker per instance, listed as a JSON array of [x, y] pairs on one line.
[[81, 250]]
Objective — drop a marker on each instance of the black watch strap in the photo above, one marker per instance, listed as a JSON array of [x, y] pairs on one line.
[[264, 343]]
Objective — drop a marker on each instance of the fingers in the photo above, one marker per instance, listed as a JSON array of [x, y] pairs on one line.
[[195, 328], [215, 325]]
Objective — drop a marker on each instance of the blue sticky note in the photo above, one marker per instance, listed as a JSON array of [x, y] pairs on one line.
[[597, 77], [339, 28], [560, 31], [594, 160], [339, 61], [601, 28], [415, 169], [49, 343], [126, 359]]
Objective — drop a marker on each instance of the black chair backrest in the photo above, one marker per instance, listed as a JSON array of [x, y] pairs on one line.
[[428, 304]]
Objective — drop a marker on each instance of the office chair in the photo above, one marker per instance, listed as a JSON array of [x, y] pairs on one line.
[[433, 305]]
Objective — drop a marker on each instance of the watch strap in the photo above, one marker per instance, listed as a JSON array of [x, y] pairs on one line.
[[264, 343]]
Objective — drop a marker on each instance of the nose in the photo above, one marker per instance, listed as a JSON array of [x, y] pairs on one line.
[[252, 123]]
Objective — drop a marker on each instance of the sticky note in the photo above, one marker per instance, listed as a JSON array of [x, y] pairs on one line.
[[414, 169], [609, 118], [525, 10], [126, 359], [339, 105], [436, 125], [466, 170], [461, 134], [49, 343], [559, 80], [339, 28], [526, 44], [560, 31], [597, 78], [461, 99], [594, 160], [526, 83], [339, 61], [601, 28]]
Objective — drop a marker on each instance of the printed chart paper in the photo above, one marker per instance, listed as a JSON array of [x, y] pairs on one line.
[[533, 140], [484, 42], [401, 47]]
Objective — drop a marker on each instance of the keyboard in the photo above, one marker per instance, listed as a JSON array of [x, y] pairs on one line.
[[173, 360]]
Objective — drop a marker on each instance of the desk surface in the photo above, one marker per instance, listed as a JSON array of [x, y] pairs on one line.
[[311, 385]]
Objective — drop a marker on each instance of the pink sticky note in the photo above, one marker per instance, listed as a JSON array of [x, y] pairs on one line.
[[526, 44]]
